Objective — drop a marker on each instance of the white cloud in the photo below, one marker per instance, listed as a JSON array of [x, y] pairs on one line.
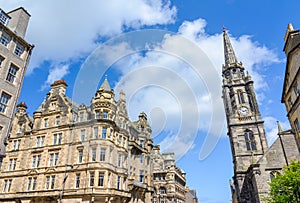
[[66, 30], [272, 128], [56, 73]]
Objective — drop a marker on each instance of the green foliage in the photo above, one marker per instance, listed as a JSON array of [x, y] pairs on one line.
[[285, 187]]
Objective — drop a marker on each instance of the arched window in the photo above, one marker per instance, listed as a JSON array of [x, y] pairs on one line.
[[250, 141]]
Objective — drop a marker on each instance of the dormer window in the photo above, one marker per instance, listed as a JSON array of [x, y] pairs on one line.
[[4, 18]]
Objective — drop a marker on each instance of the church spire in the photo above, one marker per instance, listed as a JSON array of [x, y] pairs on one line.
[[229, 55], [105, 85]]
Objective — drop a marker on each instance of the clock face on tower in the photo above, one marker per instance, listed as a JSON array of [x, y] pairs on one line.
[[243, 111]]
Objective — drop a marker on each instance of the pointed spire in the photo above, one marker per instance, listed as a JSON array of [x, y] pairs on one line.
[[229, 54], [105, 85]]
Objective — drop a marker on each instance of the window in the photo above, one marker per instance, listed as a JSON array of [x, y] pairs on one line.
[[296, 90], [40, 141], [3, 18], [97, 114], [162, 190], [81, 116], [47, 183], [12, 164], [34, 183], [120, 140], [19, 49], [7, 185], [77, 180], [95, 132], [57, 120], [141, 159], [80, 153], [101, 179], [57, 138], [17, 144], [102, 154], [82, 135], [250, 141], [53, 159], [92, 178], [120, 123], [141, 176], [12, 72], [29, 183], [36, 159], [4, 99], [52, 182], [103, 133], [119, 160], [118, 182], [1, 60], [45, 122], [141, 143], [241, 97], [105, 115], [5, 38], [296, 124], [93, 154]]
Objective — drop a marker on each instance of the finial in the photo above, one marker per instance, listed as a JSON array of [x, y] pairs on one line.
[[279, 127], [290, 27], [224, 28], [106, 77]]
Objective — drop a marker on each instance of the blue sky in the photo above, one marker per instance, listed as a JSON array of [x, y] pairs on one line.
[[66, 33]]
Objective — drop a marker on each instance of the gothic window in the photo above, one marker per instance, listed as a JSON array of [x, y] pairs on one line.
[[232, 100], [119, 160], [250, 141], [241, 97]]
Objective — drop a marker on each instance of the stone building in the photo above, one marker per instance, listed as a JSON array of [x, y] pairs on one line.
[[254, 162], [169, 181], [291, 88], [78, 153], [14, 58]]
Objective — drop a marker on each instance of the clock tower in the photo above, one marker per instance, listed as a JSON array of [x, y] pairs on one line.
[[245, 125]]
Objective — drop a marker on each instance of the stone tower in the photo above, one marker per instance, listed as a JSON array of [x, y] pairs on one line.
[[245, 125]]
